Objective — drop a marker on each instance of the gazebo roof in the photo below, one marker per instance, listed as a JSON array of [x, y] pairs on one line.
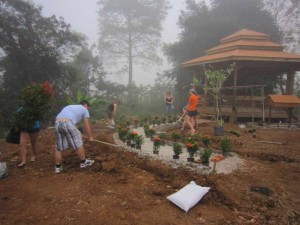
[[245, 45]]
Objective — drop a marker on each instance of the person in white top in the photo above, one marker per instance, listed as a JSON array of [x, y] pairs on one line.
[[67, 133]]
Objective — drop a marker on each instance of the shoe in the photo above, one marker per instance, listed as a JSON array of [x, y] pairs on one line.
[[88, 162], [21, 165], [58, 169]]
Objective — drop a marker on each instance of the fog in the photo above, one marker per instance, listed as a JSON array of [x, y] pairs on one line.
[[82, 15]]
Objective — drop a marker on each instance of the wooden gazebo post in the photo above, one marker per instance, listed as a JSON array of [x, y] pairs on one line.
[[290, 90], [235, 73]]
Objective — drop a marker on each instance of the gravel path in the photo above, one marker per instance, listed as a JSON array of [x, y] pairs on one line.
[[228, 165]]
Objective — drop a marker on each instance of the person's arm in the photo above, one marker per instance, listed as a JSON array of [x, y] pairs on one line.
[[88, 128], [115, 108]]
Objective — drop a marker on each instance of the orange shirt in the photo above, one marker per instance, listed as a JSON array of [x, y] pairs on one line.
[[193, 101]]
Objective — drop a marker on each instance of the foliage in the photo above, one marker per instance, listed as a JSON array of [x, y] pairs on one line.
[[176, 137], [32, 47], [205, 154], [123, 132], [132, 135], [177, 148], [152, 131], [205, 140], [130, 32], [215, 79], [286, 16], [138, 139], [162, 135], [34, 103], [235, 132], [225, 145], [156, 143], [202, 27], [192, 146]]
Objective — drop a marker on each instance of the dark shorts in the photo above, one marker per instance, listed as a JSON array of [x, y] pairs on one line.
[[109, 114], [191, 113], [31, 131]]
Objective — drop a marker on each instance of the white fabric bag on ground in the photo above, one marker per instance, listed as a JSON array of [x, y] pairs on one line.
[[188, 196], [3, 170]]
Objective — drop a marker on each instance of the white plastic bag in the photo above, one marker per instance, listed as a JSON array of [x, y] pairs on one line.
[[3, 170], [188, 196]]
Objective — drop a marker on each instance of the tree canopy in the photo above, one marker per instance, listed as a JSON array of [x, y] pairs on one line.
[[202, 27], [130, 32]]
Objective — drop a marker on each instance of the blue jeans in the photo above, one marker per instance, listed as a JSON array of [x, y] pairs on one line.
[[169, 108]]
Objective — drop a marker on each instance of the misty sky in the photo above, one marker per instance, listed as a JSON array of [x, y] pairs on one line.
[[82, 15]]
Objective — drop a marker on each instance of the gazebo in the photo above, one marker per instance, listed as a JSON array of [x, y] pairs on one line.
[[250, 51]]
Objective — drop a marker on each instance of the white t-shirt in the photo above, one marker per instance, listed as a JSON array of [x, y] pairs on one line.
[[75, 113]]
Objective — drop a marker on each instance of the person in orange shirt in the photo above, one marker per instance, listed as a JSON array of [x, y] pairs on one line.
[[191, 110]]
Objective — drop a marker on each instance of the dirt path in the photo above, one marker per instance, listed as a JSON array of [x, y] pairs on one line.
[[122, 188]]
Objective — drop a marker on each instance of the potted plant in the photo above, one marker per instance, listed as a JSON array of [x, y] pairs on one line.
[[175, 137], [215, 78], [225, 145], [219, 129], [132, 136], [177, 149], [162, 136], [152, 132], [205, 140], [138, 141], [122, 131], [205, 155], [147, 130], [192, 147], [156, 145]]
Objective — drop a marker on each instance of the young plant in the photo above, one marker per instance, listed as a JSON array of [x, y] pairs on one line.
[[175, 137], [138, 139], [192, 148], [156, 144], [177, 148], [205, 155], [205, 140], [225, 145]]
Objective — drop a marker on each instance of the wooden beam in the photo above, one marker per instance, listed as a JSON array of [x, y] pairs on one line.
[[290, 82]]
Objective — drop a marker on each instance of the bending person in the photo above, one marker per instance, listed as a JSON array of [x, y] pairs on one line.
[[68, 134]]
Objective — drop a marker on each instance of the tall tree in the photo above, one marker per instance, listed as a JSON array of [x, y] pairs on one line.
[[286, 14], [130, 32], [202, 28], [32, 48]]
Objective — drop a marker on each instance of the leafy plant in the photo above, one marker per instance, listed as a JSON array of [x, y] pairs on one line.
[[235, 132], [205, 155], [34, 103], [225, 145], [152, 131], [177, 148], [175, 137], [192, 148], [132, 135], [156, 143], [138, 139], [123, 132], [146, 130], [162, 135], [215, 79], [205, 140]]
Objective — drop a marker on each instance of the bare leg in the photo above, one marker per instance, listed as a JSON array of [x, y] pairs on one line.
[[33, 137], [23, 143], [81, 153], [189, 123], [58, 157]]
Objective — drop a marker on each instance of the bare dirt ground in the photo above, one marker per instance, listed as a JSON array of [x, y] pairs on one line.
[[122, 188]]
